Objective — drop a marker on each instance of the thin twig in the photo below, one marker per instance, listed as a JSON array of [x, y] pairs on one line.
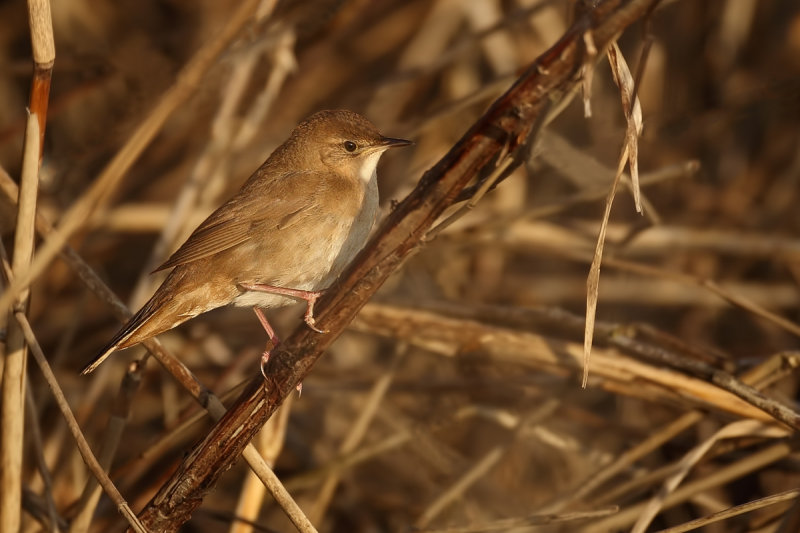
[[481, 467], [83, 446], [525, 522], [41, 464], [72, 424], [269, 443], [736, 510], [720, 477], [498, 173], [358, 430], [112, 438], [625, 460], [740, 429]]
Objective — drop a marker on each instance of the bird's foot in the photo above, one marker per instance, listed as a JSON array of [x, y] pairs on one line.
[[264, 359], [309, 315], [310, 298]]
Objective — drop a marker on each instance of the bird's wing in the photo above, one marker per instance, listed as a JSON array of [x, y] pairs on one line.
[[256, 208]]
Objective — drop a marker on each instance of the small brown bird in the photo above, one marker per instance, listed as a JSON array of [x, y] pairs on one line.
[[287, 234]]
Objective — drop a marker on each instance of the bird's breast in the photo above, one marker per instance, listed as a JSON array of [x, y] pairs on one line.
[[313, 253]]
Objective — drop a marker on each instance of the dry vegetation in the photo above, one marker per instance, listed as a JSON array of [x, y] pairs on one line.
[[454, 398]]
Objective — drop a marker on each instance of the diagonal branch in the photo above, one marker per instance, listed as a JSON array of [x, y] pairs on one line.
[[504, 128]]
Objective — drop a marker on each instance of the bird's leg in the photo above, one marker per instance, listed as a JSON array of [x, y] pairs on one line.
[[273, 339], [310, 298]]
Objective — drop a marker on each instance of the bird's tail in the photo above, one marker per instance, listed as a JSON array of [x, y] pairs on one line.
[[124, 336], [174, 302]]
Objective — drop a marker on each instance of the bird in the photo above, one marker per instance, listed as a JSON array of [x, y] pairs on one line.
[[285, 236]]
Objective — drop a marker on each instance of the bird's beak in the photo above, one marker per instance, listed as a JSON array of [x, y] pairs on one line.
[[389, 142]]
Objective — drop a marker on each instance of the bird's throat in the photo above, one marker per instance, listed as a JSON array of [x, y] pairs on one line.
[[367, 172]]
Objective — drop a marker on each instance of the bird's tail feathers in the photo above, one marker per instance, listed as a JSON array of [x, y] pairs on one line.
[[118, 341]]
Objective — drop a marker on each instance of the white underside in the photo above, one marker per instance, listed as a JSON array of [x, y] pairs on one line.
[[265, 299]]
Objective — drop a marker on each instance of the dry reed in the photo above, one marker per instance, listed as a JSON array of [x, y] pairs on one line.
[[453, 402]]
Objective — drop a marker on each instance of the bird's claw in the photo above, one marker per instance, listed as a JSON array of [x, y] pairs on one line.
[[310, 322], [264, 359], [309, 317]]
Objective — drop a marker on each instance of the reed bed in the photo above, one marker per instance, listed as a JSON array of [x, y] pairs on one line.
[[453, 401]]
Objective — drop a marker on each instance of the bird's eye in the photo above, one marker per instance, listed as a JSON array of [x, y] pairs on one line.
[[350, 146]]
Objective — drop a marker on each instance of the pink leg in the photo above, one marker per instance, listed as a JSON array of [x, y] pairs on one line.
[[275, 342], [272, 337], [309, 296]]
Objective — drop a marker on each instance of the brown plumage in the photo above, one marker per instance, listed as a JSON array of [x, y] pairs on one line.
[[295, 224]]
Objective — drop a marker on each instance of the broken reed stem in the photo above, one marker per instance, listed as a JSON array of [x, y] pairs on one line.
[[12, 419], [12, 416], [44, 56]]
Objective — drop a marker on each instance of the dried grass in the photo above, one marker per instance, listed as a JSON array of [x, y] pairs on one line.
[[454, 402]]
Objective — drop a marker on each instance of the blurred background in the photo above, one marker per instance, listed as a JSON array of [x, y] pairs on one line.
[[455, 398]]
